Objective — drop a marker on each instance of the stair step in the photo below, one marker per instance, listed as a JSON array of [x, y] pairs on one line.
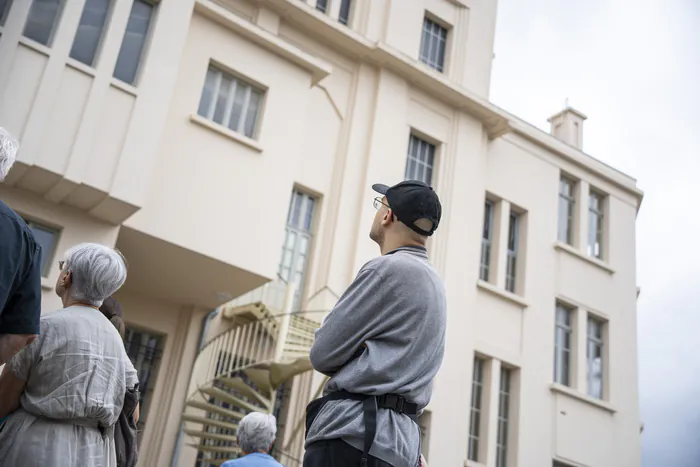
[[209, 435], [215, 408], [296, 347], [233, 450], [230, 398], [260, 377], [209, 422], [241, 386]]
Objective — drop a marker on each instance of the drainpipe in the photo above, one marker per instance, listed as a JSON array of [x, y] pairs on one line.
[[202, 340]]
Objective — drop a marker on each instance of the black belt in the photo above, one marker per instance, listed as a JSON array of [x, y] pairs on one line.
[[370, 405]]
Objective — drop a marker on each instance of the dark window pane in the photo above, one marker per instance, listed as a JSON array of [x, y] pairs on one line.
[[322, 5], [344, 16], [207, 92], [134, 41], [43, 20], [252, 115], [5, 6], [46, 237], [89, 34]]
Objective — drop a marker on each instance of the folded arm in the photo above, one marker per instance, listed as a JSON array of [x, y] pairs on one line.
[[348, 326], [11, 388]]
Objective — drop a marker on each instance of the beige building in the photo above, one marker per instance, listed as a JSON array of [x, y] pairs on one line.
[[228, 147]]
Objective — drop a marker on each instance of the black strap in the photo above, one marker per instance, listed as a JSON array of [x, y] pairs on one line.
[[370, 405]]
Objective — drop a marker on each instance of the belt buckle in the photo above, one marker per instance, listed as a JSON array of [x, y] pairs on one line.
[[399, 404]]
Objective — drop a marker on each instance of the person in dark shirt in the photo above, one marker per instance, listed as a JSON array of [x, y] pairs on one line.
[[20, 269]]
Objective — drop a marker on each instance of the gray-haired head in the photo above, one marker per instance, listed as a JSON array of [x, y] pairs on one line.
[[8, 152], [256, 432], [96, 272]]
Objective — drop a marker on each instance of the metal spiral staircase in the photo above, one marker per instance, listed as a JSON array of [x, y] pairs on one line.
[[240, 370]]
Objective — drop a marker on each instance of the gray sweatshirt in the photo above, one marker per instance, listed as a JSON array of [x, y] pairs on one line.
[[396, 307]]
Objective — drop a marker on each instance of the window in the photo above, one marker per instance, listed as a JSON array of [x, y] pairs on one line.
[[344, 16], [421, 159], [47, 238], [297, 242], [230, 102], [433, 44], [503, 418], [42, 21], [486, 241], [512, 253], [89, 35], [594, 357], [144, 350], [566, 211], [562, 345], [322, 5], [5, 6], [595, 225], [134, 42], [476, 407]]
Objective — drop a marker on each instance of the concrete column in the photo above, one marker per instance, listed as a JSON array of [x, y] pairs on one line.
[[334, 10], [33, 137], [499, 249], [268, 20]]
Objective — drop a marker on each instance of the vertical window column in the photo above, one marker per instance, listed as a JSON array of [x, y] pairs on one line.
[[595, 361], [485, 269], [477, 420], [581, 215], [563, 345]]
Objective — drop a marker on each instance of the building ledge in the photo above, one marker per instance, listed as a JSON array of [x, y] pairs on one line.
[[503, 294], [318, 68], [223, 131], [468, 463], [580, 255], [567, 391]]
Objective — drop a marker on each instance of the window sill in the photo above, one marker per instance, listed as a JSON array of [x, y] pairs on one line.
[[504, 294], [222, 130], [122, 86], [574, 252], [37, 47], [81, 67], [567, 391], [468, 463]]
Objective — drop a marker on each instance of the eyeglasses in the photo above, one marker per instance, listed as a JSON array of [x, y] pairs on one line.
[[378, 204], [60, 265]]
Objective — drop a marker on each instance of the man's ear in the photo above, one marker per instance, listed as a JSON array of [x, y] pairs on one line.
[[388, 217]]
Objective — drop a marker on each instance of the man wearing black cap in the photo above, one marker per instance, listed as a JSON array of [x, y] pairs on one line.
[[382, 343]]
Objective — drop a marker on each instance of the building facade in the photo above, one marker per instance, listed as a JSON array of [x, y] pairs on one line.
[[227, 148]]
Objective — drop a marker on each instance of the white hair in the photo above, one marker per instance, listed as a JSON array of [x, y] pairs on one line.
[[97, 271], [256, 432], [8, 152]]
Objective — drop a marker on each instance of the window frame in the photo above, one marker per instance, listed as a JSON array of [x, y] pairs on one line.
[[345, 13], [145, 46], [487, 242], [598, 342], [301, 234], [54, 26], [570, 202], [476, 409], [597, 237], [103, 30], [433, 62], [5, 13], [430, 164], [236, 79], [51, 256], [514, 223], [567, 329], [503, 420]]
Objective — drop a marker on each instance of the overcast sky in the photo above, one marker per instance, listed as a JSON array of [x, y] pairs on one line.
[[634, 69]]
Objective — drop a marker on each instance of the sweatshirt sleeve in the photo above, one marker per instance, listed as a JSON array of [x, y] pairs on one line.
[[349, 324]]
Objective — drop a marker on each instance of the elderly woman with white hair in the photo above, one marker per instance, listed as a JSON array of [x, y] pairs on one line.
[[64, 392], [256, 435]]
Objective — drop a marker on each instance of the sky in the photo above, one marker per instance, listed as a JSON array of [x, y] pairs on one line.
[[634, 69]]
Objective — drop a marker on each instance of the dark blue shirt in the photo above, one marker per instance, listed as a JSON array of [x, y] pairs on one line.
[[20, 275], [255, 459]]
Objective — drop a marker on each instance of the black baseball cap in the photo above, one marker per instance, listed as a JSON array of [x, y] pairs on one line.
[[411, 200]]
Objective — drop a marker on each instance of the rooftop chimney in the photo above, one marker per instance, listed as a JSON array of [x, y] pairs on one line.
[[567, 126]]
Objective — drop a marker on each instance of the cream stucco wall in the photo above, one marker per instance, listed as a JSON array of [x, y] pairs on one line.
[[201, 212]]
